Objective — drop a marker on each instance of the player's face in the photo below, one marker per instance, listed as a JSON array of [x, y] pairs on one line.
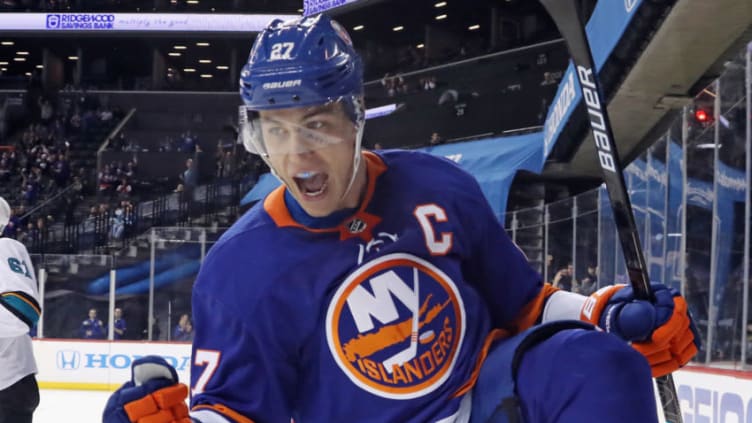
[[312, 149]]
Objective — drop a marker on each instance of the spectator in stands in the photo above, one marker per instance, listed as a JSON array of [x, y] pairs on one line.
[[188, 142], [564, 278], [12, 157], [124, 188], [428, 83], [74, 123], [189, 176], [228, 164], [120, 325], [117, 224], [589, 283], [184, 329], [91, 327], [6, 167], [389, 85], [549, 78], [46, 110], [70, 201], [78, 188], [14, 224], [104, 114], [61, 171], [130, 169], [219, 157], [36, 234], [400, 85], [93, 212], [30, 195], [107, 178], [131, 146], [435, 139], [541, 59], [24, 234], [167, 144], [188, 335]]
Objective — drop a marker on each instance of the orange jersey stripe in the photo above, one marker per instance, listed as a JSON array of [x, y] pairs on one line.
[[225, 411], [530, 314], [495, 335], [527, 318], [274, 204]]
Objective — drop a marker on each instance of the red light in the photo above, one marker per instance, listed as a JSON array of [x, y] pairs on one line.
[[701, 115]]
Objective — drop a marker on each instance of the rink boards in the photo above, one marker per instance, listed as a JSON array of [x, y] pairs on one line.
[[101, 365], [709, 395], [706, 395]]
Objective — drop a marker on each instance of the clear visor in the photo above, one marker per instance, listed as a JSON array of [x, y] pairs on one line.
[[298, 130]]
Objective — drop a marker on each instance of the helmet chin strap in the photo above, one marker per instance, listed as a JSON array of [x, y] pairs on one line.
[[356, 160]]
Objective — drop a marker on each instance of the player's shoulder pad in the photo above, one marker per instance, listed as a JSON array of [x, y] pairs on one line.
[[242, 238], [253, 222], [243, 253], [8, 243]]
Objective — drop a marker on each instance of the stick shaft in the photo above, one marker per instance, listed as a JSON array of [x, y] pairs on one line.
[[566, 15]]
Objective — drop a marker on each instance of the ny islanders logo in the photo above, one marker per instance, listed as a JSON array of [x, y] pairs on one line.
[[395, 326]]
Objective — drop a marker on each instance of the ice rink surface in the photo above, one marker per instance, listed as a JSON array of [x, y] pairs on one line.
[[70, 406]]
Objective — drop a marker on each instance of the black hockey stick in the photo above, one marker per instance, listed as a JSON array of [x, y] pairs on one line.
[[566, 14]]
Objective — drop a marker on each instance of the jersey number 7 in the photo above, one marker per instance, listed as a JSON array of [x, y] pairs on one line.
[[210, 360]]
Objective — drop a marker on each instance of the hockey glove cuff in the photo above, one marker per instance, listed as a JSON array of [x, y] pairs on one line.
[[663, 331], [153, 395]]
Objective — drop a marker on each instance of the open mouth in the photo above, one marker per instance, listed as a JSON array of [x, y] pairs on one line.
[[311, 184]]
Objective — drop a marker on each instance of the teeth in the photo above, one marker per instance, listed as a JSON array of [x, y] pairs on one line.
[[306, 175]]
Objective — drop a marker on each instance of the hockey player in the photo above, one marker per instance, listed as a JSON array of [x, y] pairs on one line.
[[19, 312], [382, 288]]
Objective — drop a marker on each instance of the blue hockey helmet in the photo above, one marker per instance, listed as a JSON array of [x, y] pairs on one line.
[[302, 62], [305, 62]]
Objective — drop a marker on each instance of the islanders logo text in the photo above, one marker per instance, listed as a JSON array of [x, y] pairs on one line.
[[395, 326]]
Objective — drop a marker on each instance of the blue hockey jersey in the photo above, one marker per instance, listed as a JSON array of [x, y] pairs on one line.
[[380, 314]]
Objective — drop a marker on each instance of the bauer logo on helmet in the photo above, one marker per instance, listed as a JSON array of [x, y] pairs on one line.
[[282, 84]]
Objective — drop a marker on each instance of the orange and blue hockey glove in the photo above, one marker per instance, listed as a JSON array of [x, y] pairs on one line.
[[663, 330], [153, 395]]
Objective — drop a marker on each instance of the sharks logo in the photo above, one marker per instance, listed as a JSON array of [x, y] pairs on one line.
[[395, 326]]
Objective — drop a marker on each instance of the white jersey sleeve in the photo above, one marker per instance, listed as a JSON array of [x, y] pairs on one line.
[[19, 296]]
